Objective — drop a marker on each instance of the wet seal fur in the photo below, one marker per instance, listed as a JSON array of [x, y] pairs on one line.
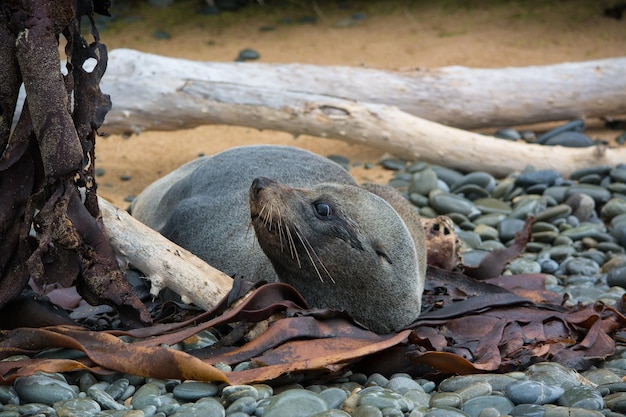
[[348, 247]]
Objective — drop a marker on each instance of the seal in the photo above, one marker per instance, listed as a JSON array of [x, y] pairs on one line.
[[342, 246]]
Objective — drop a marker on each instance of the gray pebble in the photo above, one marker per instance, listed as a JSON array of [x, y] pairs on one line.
[[533, 392], [334, 397], [617, 277], [551, 373], [393, 164], [8, 395], [474, 406], [293, 403], [77, 407], [524, 266], [547, 177], [445, 412], [570, 139], [423, 182], [245, 405], [332, 413], [365, 411], [43, 388], [445, 203], [508, 228], [193, 391], [582, 396]]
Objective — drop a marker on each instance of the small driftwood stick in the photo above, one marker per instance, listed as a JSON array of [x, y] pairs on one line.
[[164, 263]]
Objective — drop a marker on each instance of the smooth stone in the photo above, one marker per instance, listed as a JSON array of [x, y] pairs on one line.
[[508, 228], [403, 384], [263, 391], [614, 207], [547, 177], [145, 396], [618, 174], [492, 205], [447, 175], [610, 247], [492, 219], [570, 139], [334, 397], [193, 391], [558, 252], [614, 399], [585, 230], [209, 406], [546, 237], [525, 207], [473, 406], [486, 232], [591, 179], [599, 194], [472, 192], [528, 410], [551, 373], [571, 412], [104, 399], [555, 212], [491, 245], [8, 395], [576, 125], [43, 388], [423, 182], [548, 266], [603, 377], [583, 206], [445, 203], [601, 170], [247, 54], [497, 381], [617, 277], [582, 396], [581, 266], [478, 389], [416, 167], [508, 134], [445, 399], [619, 233], [77, 407], [445, 412], [558, 192], [533, 392], [377, 379], [524, 266], [386, 399], [419, 397], [332, 413], [503, 188], [232, 393], [367, 411], [489, 412], [245, 405], [295, 403], [479, 178], [117, 388], [393, 164]]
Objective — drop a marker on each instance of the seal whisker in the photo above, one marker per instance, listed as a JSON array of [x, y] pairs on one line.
[[292, 247], [320, 261]]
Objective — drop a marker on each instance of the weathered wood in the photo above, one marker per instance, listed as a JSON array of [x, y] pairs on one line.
[[154, 92], [164, 263]]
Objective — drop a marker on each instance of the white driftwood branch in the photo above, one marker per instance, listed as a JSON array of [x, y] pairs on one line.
[[154, 92], [165, 264]]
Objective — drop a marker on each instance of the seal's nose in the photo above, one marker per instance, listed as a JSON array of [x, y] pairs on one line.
[[258, 184]]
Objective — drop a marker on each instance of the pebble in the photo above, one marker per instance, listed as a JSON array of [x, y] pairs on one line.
[[533, 392], [44, 388], [474, 406], [247, 55], [295, 402]]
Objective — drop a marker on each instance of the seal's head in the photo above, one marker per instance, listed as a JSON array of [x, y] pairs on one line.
[[341, 247]]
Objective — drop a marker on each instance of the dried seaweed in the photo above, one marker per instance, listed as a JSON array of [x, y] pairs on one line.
[[50, 225]]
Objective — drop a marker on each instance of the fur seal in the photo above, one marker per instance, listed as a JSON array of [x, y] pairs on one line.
[[348, 247]]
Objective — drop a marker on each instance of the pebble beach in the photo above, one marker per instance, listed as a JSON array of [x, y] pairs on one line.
[[578, 238]]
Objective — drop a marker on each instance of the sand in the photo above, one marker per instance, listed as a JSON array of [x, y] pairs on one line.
[[393, 35]]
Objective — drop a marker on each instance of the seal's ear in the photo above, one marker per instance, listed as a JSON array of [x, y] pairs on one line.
[[381, 251]]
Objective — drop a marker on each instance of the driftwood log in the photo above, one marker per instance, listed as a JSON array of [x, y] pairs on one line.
[[164, 263], [154, 92], [374, 107]]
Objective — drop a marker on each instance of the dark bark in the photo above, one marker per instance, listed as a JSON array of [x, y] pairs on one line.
[[47, 181]]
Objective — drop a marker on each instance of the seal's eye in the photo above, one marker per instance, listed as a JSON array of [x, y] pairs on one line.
[[323, 209]]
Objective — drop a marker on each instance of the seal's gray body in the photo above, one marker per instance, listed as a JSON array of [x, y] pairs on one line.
[[203, 205], [281, 213]]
